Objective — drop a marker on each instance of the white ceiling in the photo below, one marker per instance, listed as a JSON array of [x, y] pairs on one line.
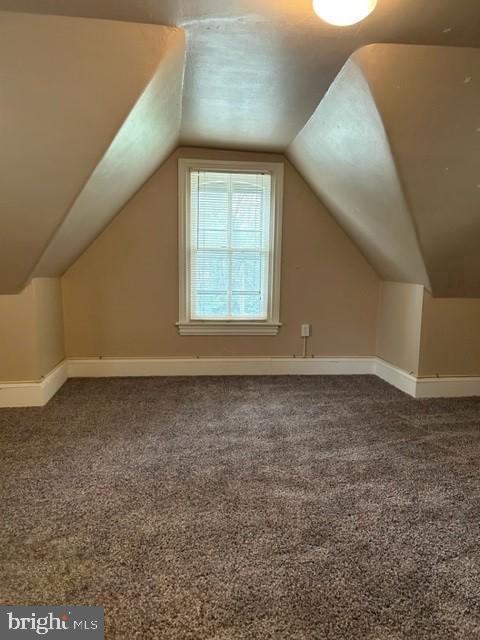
[[257, 69]]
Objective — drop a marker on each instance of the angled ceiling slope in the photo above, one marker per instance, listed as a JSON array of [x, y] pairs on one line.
[[344, 153], [257, 69], [429, 98], [90, 108], [392, 148], [393, 151]]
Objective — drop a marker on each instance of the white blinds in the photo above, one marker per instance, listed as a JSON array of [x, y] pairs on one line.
[[229, 245]]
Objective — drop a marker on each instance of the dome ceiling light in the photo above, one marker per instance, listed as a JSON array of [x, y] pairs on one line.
[[343, 13]]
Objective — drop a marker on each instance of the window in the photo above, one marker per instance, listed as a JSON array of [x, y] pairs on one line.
[[229, 242]]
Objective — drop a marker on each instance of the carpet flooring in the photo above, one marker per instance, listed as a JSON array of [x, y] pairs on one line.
[[329, 508]]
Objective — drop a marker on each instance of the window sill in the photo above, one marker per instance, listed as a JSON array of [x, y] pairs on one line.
[[209, 328]]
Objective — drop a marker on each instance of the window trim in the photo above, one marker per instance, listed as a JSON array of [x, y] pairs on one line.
[[270, 326]]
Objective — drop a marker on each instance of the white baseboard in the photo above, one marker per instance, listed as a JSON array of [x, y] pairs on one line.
[[396, 377], [451, 387], [33, 394], [406, 382], [37, 394], [428, 387], [135, 367]]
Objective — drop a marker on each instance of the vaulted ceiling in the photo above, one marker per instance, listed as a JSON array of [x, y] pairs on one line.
[[92, 91], [394, 151], [89, 109], [257, 69]]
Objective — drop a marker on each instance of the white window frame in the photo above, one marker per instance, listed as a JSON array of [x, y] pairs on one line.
[[271, 325]]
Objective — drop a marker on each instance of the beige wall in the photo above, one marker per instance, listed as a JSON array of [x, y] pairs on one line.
[[399, 325], [31, 331], [18, 344], [428, 336], [450, 337], [48, 308], [121, 296]]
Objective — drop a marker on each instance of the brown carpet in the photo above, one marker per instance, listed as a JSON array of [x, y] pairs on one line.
[[246, 508]]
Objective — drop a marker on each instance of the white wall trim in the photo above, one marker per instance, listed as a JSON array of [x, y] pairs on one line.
[[187, 325], [428, 387], [398, 378], [228, 328], [33, 394], [448, 387], [120, 367], [38, 393]]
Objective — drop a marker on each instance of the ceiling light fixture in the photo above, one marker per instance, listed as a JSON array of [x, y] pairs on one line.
[[343, 13]]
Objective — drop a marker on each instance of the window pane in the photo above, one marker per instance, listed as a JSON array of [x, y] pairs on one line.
[[213, 207], [210, 272], [249, 306], [211, 306], [230, 244], [210, 238], [246, 240], [247, 210], [247, 272]]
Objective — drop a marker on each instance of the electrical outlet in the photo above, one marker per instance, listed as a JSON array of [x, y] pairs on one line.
[[305, 330]]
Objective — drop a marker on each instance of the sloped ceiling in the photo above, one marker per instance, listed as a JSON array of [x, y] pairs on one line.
[[144, 140], [257, 69], [429, 99], [89, 110], [393, 149], [108, 108], [344, 154]]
